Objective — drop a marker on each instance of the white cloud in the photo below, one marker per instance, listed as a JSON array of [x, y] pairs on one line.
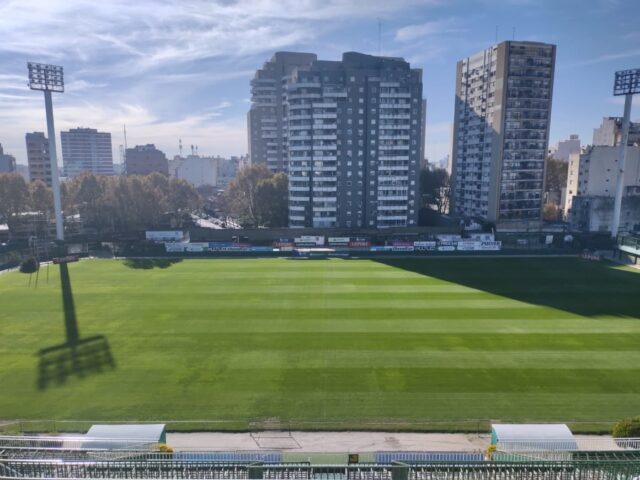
[[143, 62], [421, 30], [608, 57]]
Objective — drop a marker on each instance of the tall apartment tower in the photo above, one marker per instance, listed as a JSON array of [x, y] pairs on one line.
[[38, 157], [355, 133], [266, 124], [501, 133], [86, 150]]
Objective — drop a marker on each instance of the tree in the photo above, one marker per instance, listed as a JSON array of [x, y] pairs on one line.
[[552, 213], [41, 197], [128, 203], [627, 428], [272, 196], [556, 175], [14, 197], [182, 196], [241, 195], [435, 188]]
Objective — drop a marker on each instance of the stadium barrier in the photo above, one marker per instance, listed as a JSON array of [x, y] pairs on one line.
[[477, 426]]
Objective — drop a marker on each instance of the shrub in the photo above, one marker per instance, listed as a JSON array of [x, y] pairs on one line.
[[627, 428], [29, 265]]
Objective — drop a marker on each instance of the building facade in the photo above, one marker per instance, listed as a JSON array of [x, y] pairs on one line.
[[86, 150], [7, 162], [196, 170], [501, 133], [266, 124], [567, 147], [355, 133], [38, 157], [610, 132], [591, 178], [145, 159]]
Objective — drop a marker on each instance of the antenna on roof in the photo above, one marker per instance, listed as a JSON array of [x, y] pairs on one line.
[[180, 146], [196, 150], [124, 129], [514, 34], [496, 33], [379, 37]]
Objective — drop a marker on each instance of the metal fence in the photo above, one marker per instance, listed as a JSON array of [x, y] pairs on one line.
[[515, 470]]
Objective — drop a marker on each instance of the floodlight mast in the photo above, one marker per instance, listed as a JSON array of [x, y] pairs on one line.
[[627, 83], [50, 78]]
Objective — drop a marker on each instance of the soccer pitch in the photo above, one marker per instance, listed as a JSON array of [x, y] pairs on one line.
[[327, 343]]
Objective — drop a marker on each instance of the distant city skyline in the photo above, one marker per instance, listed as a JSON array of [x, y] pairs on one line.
[[181, 70]]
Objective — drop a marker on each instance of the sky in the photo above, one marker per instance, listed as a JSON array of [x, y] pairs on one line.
[[180, 69]]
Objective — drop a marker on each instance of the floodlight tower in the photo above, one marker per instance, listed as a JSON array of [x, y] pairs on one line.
[[50, 78], [627, 83]]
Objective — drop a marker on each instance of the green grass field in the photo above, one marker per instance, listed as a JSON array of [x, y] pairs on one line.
[[329, 343]]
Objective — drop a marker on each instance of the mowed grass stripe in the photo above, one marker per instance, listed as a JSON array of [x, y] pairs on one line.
[[353, 340]]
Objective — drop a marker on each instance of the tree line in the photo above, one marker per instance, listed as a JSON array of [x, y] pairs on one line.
[[109, 204]]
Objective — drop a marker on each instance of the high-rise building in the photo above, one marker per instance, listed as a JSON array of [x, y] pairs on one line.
[[7, 162], [86, 150], [610, 132], [38, 157], [145, 159], [266, 123], [501, 132], [355, 132], [591, 187], [565, 148]]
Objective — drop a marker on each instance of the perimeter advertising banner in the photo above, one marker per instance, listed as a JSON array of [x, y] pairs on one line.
[[284, 243], [175, 247], [424, 246], [491, 246], [359, 242], [338, 241], [165, 235], [309, 241]]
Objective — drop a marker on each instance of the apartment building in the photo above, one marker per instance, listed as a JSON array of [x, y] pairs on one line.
[[354, 141], [38, 157], [501, 133], [266, 124], [86, 150]]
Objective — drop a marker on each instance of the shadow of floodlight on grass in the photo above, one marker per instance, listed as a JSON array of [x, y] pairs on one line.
[[85, 357], [149, 263], [75, 357]]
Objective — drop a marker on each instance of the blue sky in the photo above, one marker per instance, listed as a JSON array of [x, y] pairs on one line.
[[174, 69]]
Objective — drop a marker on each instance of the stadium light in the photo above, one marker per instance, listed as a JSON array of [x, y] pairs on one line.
[[50, 78], [627, 83]]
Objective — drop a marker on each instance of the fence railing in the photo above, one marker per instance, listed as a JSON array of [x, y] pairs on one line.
[[516, 470]]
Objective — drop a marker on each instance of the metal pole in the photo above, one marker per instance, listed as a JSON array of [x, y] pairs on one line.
[[622, 157], [53, 159]]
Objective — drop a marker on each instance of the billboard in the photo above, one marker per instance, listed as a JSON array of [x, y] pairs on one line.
[[446, 248], [493, 246], [468, 245], [338, 241], [424, 246], [359, 242], [309, 241], [165, 235], [402, 248], [172, 247]]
